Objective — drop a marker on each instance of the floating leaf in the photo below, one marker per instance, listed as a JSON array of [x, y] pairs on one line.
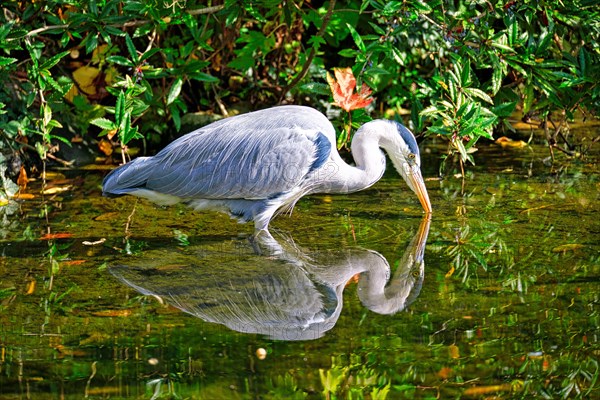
[[112, 313], [509, 143], [57, 189], [58, 235], [567, 247]]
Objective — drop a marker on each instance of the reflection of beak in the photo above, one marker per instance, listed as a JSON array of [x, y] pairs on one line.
[[416, 183]]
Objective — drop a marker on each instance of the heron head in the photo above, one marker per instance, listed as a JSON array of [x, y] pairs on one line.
[[404, 153]]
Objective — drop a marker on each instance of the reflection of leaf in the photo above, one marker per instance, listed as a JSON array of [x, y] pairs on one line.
[[22, 180], [112, 313], [509, 143], [58, 235], [481, 390], [342, 87]]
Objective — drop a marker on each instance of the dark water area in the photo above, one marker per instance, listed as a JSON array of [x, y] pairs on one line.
[[354, 296]]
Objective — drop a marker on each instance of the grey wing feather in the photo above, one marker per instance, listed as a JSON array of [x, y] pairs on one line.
[[251, 156]]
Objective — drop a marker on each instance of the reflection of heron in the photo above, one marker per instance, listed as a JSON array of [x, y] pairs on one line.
[[289, 295], [255, 164]]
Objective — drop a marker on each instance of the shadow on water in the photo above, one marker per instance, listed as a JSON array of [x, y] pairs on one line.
[[272, 286]]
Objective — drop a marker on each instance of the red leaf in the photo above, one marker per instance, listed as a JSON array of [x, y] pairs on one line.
[[60, 235], [343, 87]]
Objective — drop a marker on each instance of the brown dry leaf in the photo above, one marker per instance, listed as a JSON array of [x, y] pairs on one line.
[[109, 216], [22, 179], [445, 372], [73, 262], [58, 235], [105, 147], [342, 87], [70, 352], [24, 196], [509, 143]]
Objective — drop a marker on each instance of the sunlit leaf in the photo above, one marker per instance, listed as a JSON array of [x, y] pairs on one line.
[[103, 123], [22, 180], [510, 143], [343, 87], [175, 90]]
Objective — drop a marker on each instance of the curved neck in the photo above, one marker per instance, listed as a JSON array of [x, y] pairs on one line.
[[368, 157]]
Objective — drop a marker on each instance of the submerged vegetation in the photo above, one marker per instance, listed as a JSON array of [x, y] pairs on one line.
[[508, 306], [103, 76]]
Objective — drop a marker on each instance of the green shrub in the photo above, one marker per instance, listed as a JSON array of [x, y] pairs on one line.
[[132, 69]]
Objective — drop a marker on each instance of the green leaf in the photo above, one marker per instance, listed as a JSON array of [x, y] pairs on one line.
[[357, 39], [175, 90], [242, 63], [349, 53], [149, 54], [504, 110], [503, 47], [204, 77], [527, 98], [316, 88], [4, 61], [461, 149], [52, 61], [497, 77], [120, 60], [479, 93], [422, 6], [584, 61], [103, 123], [131, 49], [120, 109], [465, 75]]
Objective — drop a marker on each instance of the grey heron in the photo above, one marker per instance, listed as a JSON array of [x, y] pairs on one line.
[[255, 165]]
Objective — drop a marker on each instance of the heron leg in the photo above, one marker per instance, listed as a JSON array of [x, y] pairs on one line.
[[265, 244]]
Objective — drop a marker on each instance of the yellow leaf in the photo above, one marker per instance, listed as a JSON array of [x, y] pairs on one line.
[[507, 142], [85, 77], [567, 247]]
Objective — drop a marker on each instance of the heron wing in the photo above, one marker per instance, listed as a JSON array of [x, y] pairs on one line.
[[252, 156]]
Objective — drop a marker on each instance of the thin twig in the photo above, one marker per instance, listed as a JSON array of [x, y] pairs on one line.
[[312, 53], [129, 24], [130, 221]]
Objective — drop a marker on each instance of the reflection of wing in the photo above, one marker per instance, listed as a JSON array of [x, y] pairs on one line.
[[246, 293], [289, 294], [246, 157]]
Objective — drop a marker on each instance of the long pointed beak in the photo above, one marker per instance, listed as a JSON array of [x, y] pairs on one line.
[[417, 184]]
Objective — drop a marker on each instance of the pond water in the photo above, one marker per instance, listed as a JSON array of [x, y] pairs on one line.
[[352, 297]]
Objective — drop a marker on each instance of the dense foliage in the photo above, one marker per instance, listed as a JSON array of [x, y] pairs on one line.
[[108, 72]]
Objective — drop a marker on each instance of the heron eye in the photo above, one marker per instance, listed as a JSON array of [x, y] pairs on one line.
[[411, 156]]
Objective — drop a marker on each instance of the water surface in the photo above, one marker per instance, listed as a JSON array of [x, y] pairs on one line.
[[124, 299]]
